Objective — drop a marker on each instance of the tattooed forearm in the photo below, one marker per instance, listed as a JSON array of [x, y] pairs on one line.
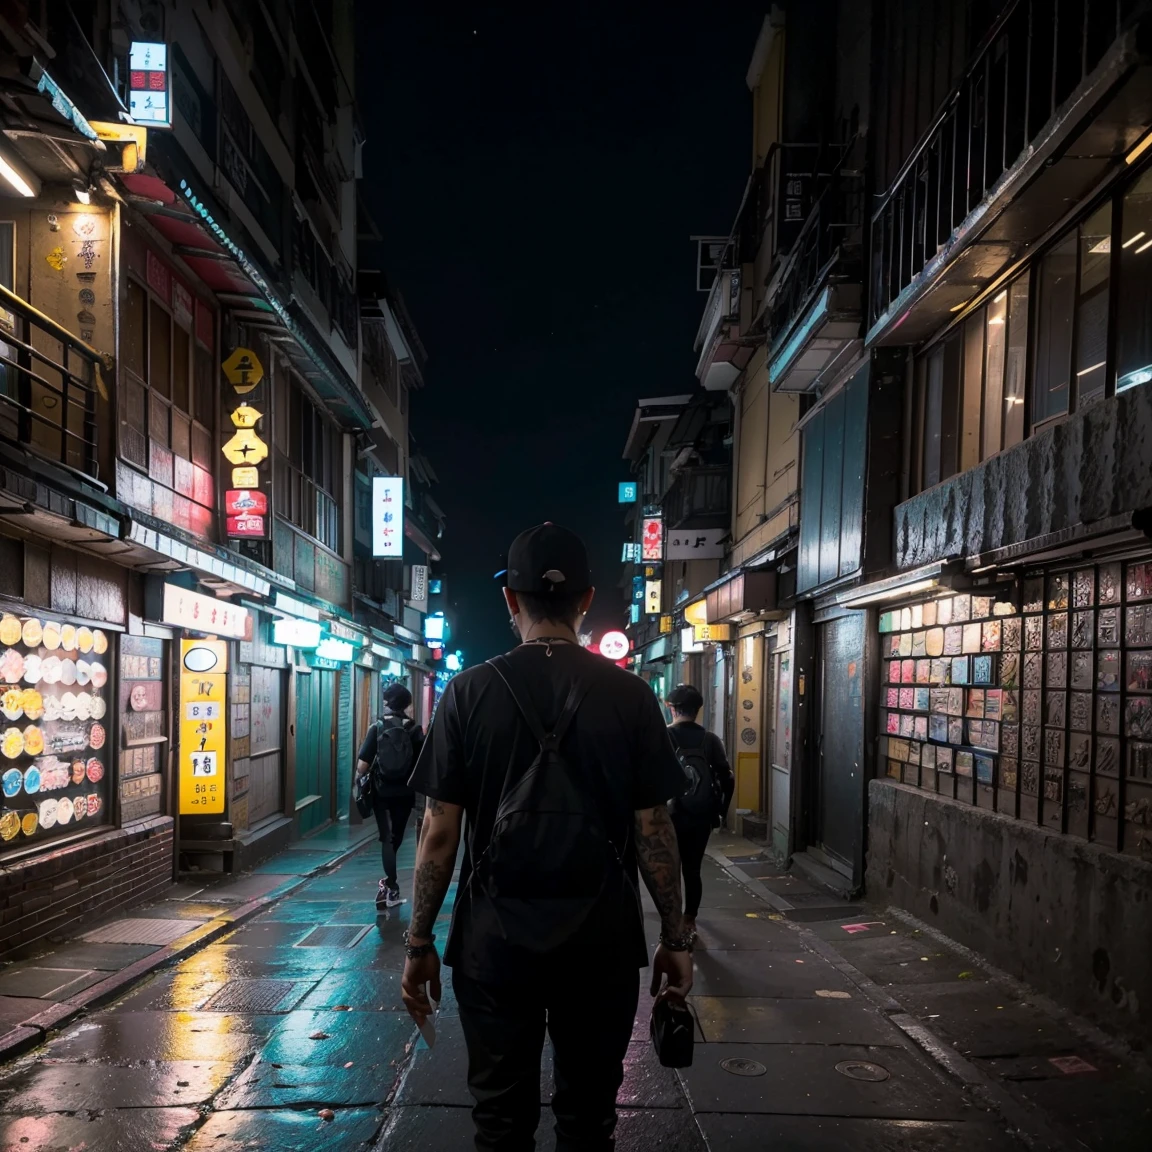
[[435, 807], [658, 856], [431, 886]]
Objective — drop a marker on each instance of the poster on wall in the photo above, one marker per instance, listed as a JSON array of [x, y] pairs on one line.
[[203, 726], [54, 743]]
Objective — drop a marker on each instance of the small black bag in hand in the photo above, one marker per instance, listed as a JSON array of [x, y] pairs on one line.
[[673, 1034], [362, 794]]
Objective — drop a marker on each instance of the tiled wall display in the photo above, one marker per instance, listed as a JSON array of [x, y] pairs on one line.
[[1034, 700]]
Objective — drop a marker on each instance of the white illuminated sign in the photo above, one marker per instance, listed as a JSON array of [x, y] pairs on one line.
[[434, 628], [197, 613], [688, 643], [296, 607], [148, 86], [296, 633], [614, 645], [652, 597], [387, 516], [419, 593], [330, 649]]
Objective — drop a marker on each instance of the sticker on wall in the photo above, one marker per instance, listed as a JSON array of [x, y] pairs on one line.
[[56, 259], [748, 736]]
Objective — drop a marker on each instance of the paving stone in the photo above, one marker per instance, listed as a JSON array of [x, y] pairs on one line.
[[183, 910], [374, 990], [138, 1130], [646, 1083], [126, 1037], [802, 1080], [141, 930], [285, 1130], [93, 1087], [263, 1086], [727, 930], [269, 933], [741, 1020], [102, 957], [299, 863], [296, 908], [755, 1133], [374, 1037], [250, 887], [14, 1010], [765, 974], [896, 960]]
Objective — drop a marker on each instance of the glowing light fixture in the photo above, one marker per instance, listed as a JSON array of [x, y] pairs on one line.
[[1090, 368], [1143, 247], [1140, 149], [1132, 239], [20, 179]]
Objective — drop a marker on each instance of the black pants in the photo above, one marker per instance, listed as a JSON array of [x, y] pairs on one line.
[[693, 840], [392, 820], [589, 1019]]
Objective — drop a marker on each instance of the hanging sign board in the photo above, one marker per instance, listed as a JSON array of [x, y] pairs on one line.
[[243, 370], [712, 633], [148, 87], [182, 608], [245, 501], [696, 544], [203, 726], [652, 589], [652, 544], [387, 516]]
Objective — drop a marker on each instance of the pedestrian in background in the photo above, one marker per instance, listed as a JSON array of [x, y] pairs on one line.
[[703, 804], [561, 763], [389, 753]]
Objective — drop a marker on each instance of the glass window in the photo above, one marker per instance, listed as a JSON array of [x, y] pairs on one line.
[[159, 349], [1016, 365], [1134, 305], [932, 415], [1092, 306], [997, 335], [971, 395], [205, 397], [135, 328], [181, 368], [950, 408], [1055, 306]]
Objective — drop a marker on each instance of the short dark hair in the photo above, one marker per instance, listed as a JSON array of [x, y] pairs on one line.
[[551, 607], [685, 699]]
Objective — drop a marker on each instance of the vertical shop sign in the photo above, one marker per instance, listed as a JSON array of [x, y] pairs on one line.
[[245, 501], [387, 516], [203, 725], [652, 543]]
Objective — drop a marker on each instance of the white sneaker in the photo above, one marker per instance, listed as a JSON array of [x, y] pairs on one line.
[[392, 899]]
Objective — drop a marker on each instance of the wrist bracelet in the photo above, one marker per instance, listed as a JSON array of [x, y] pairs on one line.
[[418, 951], [681, 943]]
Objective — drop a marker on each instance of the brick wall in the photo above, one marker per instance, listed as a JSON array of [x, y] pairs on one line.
[[51, 895]]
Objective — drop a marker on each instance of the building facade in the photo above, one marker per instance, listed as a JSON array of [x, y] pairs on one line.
[[190, 393]]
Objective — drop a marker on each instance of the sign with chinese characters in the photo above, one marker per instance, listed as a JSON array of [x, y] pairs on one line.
[[652, 589], [247, 526], [652, 544], [148, 85], [712, 633], [630, 554], [637, 590], [245, 501], [419, 587], [246, 476], [203, 726], [696, 544], [387, 516], [182, 608], [665, 625], [245, 416], [627, 492], [243, 370]]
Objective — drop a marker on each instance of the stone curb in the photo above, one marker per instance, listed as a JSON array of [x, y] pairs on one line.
[[32, 1032]]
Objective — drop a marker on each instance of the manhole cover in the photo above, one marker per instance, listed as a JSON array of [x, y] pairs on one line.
[[334, 936], [740, 1067], [863, 1070], [261, 995], [141, 931]]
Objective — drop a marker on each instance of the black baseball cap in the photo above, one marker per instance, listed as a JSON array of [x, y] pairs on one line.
[[548, 559], [686, 697], [397, 697]]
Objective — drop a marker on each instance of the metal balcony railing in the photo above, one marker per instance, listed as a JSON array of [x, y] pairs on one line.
[[1034, 58], [829, 244], [49, 387], [698, 494]]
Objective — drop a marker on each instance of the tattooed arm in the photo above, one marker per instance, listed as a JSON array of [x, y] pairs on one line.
[[435, 860], [658, 856]]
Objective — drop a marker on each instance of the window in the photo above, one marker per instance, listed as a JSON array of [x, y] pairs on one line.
[[1016, 366], [1134, 304], [1092, 306], [1055, 308], [997, 334]]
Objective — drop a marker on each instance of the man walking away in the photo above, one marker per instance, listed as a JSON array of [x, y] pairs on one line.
[[389, 752], [561, 764], [704, 804]]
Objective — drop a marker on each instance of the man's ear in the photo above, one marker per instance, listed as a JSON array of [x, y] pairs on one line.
[[511, 601]]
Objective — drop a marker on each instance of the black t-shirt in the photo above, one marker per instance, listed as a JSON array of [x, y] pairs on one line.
[[479, 740], [367, 753], [689, 734]]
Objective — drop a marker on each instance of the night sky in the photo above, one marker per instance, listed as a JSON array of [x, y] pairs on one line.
[[536, 172]]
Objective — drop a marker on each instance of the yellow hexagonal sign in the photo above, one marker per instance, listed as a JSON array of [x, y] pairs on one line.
[[243, 370], [245, 448], [246, 416]]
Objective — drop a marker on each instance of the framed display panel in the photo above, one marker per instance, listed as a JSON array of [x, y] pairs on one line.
[[1038, 705], [58, 728]]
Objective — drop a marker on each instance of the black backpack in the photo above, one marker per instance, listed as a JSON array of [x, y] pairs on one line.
[[393, 764], [702, 800], [550, 860]]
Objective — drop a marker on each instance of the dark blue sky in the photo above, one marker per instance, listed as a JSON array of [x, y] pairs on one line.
[[536, 172]]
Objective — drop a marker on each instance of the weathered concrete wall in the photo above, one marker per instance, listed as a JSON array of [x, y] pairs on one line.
[[1092, 466], [1071, 919]]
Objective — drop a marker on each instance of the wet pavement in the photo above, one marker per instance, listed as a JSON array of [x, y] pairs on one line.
[[807, 1037]]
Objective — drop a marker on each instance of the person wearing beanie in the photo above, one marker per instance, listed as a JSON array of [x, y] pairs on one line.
[[389, 753]]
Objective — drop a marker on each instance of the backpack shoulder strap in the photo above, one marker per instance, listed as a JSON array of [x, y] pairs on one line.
[[512, 682]]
